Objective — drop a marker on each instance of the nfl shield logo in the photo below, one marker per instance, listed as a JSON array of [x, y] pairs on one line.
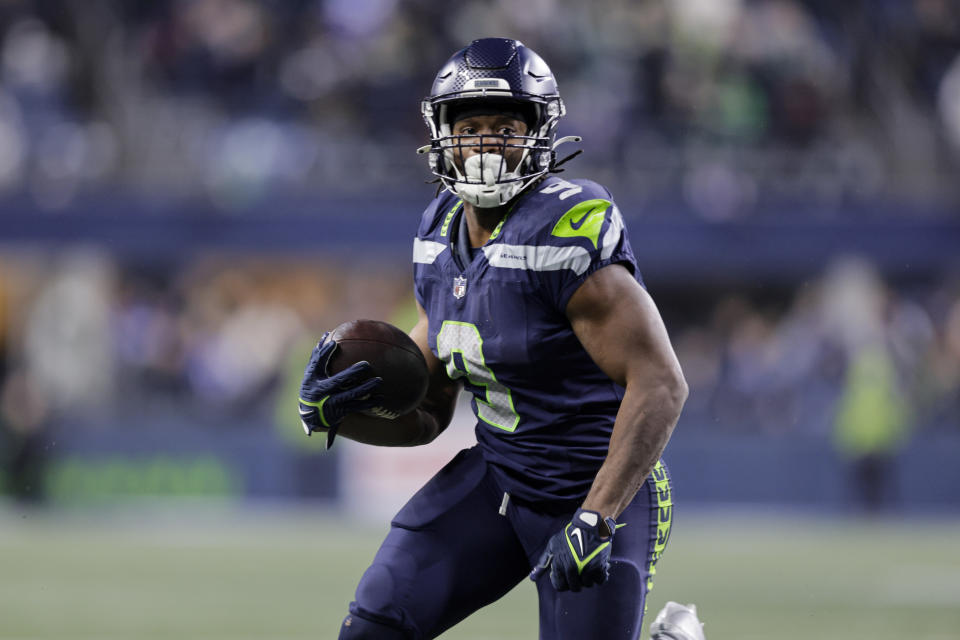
[[459, 287]]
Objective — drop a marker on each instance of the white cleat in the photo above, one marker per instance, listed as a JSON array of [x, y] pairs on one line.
[[677, 622]]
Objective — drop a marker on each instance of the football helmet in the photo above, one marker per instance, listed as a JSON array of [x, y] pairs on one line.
[[493, 75]]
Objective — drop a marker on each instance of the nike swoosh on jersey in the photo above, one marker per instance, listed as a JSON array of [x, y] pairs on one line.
[[576, 224]]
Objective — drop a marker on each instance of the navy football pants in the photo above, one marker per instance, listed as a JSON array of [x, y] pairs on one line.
[[449, 552]]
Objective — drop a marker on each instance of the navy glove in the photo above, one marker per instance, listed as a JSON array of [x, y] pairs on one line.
[[578, 556], [325, 400]]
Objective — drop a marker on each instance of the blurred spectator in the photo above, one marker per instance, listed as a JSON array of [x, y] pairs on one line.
[[67, 347], [949, 103], [871, 425], [24, 422], [871, 421]]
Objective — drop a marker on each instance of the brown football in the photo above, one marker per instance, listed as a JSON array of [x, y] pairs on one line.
[[397, 359]]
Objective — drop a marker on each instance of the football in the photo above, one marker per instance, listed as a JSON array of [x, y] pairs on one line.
[[396, 358]]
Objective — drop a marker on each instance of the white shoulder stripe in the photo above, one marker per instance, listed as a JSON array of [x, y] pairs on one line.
[[426, 251], [513, 256], [612, 237]]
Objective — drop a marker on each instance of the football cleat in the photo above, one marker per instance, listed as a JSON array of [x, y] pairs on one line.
[[677, 622]]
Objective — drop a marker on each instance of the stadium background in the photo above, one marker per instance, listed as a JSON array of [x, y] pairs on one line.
[[191, 192]]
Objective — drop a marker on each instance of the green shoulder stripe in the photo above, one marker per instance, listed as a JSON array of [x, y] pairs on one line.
[[446, 221], [584, 220]]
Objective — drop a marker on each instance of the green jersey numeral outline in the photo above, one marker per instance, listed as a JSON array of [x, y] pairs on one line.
[[498, 402]]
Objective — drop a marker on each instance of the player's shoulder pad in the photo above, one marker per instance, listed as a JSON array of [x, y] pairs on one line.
[[575, 213], [436, 217]]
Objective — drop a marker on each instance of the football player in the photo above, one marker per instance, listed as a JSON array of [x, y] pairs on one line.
[[529, 297]]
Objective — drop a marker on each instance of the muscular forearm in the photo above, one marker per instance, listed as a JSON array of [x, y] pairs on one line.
[[643, 426], [434, 414], [421, 425]]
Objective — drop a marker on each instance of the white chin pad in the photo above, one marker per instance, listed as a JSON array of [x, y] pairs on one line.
[[486, 168], [482, 189]]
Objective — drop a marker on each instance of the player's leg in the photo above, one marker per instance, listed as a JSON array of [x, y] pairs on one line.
[[608, 611], [614, 610], [448, 553]]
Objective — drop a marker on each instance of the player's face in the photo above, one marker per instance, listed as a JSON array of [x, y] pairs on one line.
[[488, 134]]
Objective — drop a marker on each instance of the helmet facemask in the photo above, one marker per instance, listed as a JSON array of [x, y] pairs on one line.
[[485, 180]]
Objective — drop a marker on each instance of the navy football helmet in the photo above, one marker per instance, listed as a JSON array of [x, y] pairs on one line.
[[493, 75]]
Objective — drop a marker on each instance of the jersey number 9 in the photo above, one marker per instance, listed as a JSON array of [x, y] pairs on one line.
[[495, 407]]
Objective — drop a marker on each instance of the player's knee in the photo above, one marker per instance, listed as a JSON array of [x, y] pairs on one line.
[[627, 579], [355, 627]]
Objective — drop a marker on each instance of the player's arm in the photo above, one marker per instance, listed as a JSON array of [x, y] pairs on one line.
[[620, 327], [327, 402], [433, 415], [427, 421]]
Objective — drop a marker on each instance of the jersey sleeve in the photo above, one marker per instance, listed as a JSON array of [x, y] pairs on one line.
[[587, 233], [426, 244]]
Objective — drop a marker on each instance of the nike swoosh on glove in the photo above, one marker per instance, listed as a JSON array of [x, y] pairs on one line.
[[579, 555], [325, 400]]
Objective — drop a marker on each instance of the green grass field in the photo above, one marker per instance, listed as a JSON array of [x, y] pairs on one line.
[[210, 572]]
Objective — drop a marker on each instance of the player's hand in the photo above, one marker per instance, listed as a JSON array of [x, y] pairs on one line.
[[325, 400], [579, 555]]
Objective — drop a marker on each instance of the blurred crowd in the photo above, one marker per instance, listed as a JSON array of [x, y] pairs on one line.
[[217, 340], [103, 339], [731, 104], [847, 356]]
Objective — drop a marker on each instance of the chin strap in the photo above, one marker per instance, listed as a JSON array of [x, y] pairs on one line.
[[555, 165], [566, 139]]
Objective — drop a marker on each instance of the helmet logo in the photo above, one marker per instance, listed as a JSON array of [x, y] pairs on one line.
[[481, 84]]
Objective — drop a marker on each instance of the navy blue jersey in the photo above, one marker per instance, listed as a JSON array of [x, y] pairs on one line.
[[545, 411]]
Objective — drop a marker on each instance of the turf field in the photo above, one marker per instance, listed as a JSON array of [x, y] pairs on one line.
[[211, 572]]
